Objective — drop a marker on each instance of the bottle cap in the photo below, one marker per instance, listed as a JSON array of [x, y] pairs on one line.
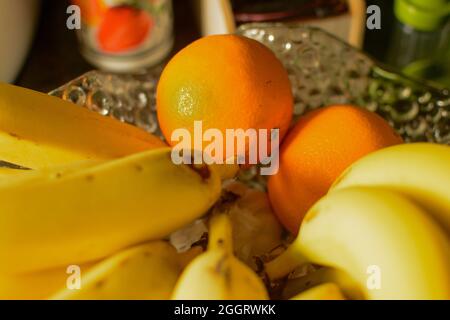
[[424, 15]]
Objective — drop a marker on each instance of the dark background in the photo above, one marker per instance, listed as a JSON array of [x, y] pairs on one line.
[[54, 58]]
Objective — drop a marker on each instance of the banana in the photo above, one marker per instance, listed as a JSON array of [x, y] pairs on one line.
[[383, 241], [36, 285], [11, 176], [48, 283], [37, 130], [326, 291], [89, 214], [10, 169], [8, 172], [217, 274], [148, 272], [420, 171]]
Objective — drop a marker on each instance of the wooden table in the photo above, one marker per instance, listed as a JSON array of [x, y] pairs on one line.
[[54, 58]]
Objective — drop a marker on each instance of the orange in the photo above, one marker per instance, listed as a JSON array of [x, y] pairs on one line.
[[227, 82], [317, 150]]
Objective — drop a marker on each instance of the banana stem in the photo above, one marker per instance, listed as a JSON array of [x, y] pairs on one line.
[[220, 233], [285, 263]]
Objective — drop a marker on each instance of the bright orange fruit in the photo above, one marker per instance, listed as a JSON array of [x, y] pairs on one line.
[[228, 82], [317, 150], [123, 28]]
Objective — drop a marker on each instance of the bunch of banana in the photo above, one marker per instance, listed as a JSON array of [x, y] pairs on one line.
[[38, 131], [381, 220], [53, 218], [217, 274]]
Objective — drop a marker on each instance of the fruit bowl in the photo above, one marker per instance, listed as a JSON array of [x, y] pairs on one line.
[[323, 70], [210, 236]]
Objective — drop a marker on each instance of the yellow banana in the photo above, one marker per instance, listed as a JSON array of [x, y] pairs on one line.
[[149, 271], [44, 284], [217, 274], [8, 172], [36, 285], [37, 130], [93, 212], [322, 276], [326, 291], [10, 177], [385, 242], [10, 169], [420, 171]]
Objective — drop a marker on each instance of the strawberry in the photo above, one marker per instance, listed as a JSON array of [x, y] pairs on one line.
[[123, 28]]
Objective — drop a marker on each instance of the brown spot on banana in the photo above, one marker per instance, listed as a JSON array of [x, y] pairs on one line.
[[99, 284], [14, 135], [202, 170]]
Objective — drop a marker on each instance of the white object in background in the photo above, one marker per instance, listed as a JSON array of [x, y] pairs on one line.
[[17, 24], [216, 17]]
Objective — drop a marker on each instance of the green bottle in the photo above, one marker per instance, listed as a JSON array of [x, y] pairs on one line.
[[420, 43]]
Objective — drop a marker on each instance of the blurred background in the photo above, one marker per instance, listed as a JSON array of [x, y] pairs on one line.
[[38, 51]]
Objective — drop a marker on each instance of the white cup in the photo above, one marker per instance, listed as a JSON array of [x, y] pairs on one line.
[[17, 25]]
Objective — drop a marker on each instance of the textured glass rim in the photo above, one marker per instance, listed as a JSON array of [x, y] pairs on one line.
[[379, 67]]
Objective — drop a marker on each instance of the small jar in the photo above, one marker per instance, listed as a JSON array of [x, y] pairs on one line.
[[125, 35], [420, 43]]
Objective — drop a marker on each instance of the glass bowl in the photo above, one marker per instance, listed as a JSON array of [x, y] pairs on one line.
[[323, 70]]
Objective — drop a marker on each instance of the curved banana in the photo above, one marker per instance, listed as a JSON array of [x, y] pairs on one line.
[[8, 172], [381, 239], [37, 130], [217, 274], [8, 169], [326, 291], [45, 284], [58, 220], [420, 171], [36, 285], [149, 271], [10, 177]]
